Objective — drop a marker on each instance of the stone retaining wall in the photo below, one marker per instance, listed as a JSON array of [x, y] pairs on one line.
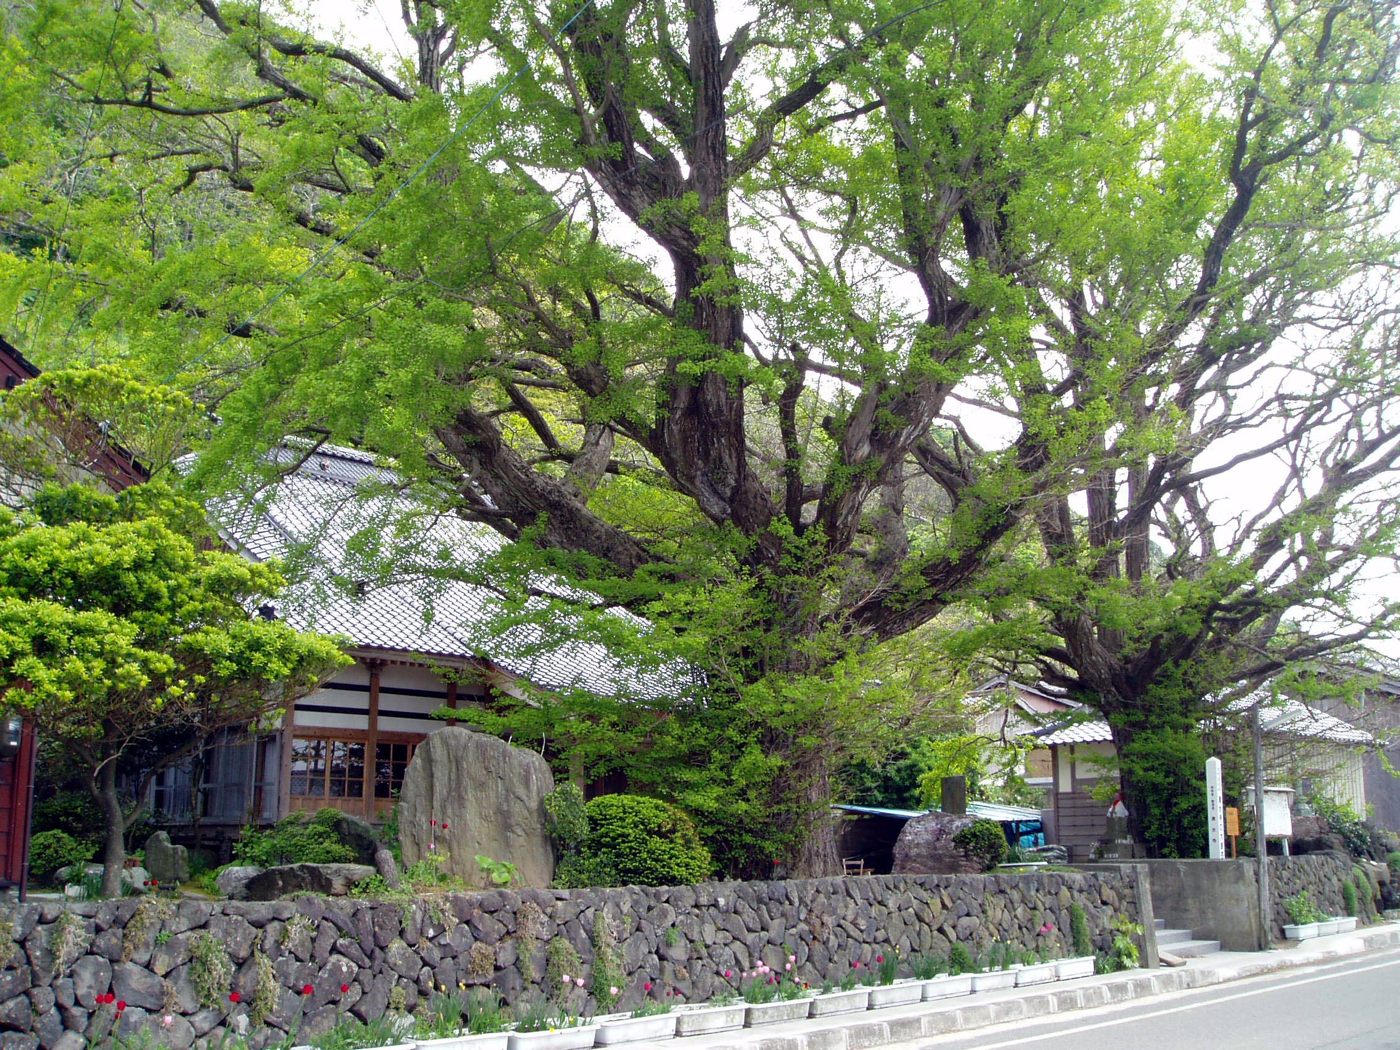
[[1321, 874], [392, 954]]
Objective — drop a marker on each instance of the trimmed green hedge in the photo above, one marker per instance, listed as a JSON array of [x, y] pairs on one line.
[[633, 840], [984, 842]]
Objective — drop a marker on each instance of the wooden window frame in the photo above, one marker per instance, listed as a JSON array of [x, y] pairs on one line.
[[365, 804]]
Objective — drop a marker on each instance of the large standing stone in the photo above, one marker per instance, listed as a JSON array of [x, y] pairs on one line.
[[925, 846], [167, 863], [466, 794]]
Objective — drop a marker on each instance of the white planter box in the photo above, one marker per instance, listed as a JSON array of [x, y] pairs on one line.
[[635, 1029], [993, 979], [840, 1002], [704, 1020], [1079, 966], [1301, 932], [1328, 927], [579, 1037], [480, 1041], [776, 1012], [1039, 973], [946, 986], [1345, 924], [901, 993]]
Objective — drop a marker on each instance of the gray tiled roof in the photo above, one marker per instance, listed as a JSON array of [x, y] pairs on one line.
[[315, 516], [1281, 717]]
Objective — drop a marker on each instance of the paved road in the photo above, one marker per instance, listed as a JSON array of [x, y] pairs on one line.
[[1350, 1005]]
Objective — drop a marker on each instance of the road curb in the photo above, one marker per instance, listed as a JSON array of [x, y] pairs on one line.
[[878, 1028]]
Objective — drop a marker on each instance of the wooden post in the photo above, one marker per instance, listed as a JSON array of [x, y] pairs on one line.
[[452, 699], [284, 775], [371, 737]]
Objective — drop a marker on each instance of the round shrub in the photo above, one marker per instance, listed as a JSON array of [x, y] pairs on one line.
[[51, 850], [638, 841], [984, 842]]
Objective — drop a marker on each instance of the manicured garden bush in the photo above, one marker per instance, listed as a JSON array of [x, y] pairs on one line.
[[296, 839], [51, 850], [634, 840], [984, 842]]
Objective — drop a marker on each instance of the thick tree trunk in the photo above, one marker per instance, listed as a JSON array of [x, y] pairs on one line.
[[810, 798], [103, 788], [1122, 738]]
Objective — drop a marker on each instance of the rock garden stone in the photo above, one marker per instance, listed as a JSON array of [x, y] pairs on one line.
[[168, 864], [333, 880], [233, 882]]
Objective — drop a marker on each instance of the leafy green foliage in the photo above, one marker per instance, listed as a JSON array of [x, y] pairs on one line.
[[1349, 897], [1079, 930], [1164, 766], [634, 840], [133, 644], [298, 838], [70, 811], [960, 959], [1343, 820], [1302, 910], [51, 850], [984, 842], [498, 872], [755, 443], [1123, 952]]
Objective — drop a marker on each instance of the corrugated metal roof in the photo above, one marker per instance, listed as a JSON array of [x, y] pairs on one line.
[[333, 495], [983, 810]]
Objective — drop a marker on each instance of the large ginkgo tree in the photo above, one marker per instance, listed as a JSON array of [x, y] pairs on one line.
[[779, 323]]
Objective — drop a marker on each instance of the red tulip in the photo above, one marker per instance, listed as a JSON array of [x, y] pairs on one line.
[[344, 988], [234, 997], [306, 989], [121, 1005]]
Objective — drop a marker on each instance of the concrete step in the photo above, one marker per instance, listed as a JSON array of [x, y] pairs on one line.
[[1193, 949], [1166, 936]]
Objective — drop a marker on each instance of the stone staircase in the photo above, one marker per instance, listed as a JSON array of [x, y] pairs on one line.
[[1183, 943]]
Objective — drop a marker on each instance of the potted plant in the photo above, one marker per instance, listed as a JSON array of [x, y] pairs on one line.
[[842, 997], [938, 979], [543, 1025], [717, 1015], [479, 1024], [1078, 966], [996, 970], [651, 1020], [773, 997], [1307, 917], [1034, 970], [886, 991], [382, 1033]]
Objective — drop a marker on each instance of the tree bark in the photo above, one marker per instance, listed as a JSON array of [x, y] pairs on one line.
[[103, 787]]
